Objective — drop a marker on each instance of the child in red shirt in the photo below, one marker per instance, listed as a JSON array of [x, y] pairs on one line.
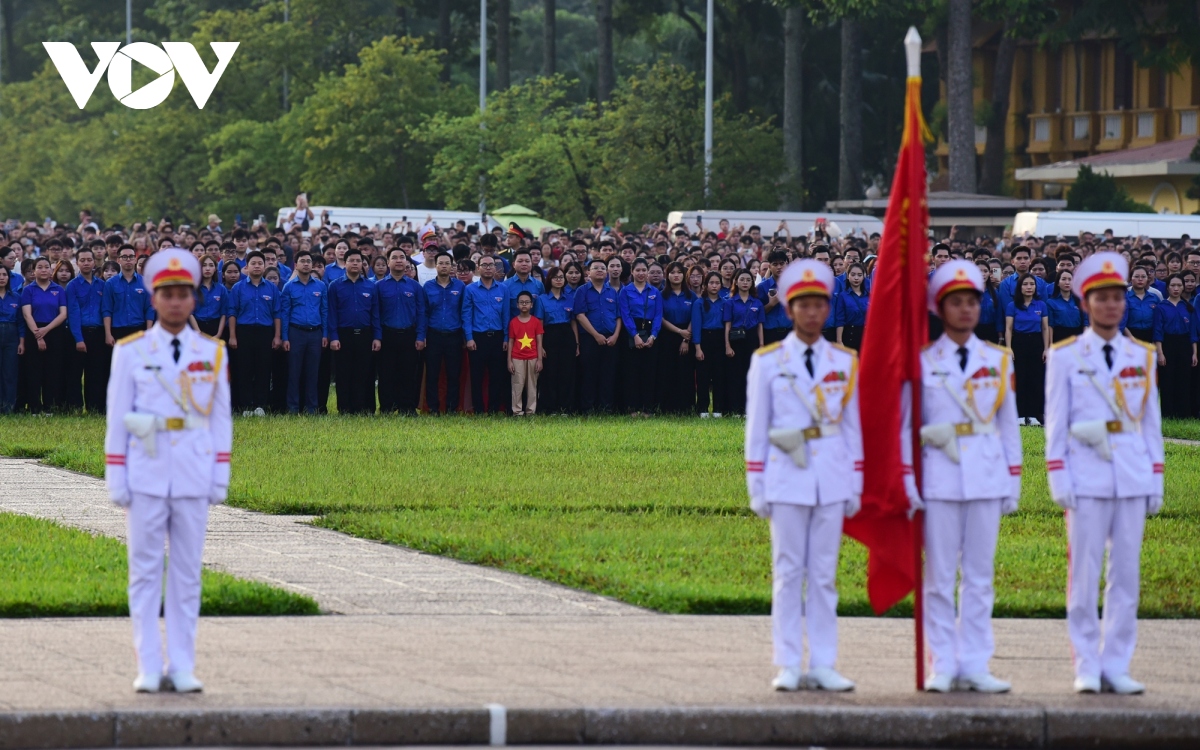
[[524, 355]]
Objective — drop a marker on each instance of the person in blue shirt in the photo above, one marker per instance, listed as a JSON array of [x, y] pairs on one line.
[[485, 316], [676, 378], [210, 300], [355, 331], [991, 316], [1021, 261], [303, 319], [777, 323], [85, 296], [574, 275], [1065, 317], [1174, 335], [560, 344], [523, 280], [641, 308], [1139, 306], [12, 341], [708, 338], [850, 308], [444, 334], [1027, 330], [8, 259], [44, 308], [125, 305], [402, 313], [597, 314], [743, 318], [254, 332]]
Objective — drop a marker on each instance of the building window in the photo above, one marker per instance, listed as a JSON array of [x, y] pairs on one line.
[[1187, 122], [1080, 127], [1041, 130], [1112, 127], [1145, 125]]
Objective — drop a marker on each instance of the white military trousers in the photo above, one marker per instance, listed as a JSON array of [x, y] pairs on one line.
[[804, 553]]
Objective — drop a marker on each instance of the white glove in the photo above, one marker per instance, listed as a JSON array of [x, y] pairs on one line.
[[853, 505], [218, 495], [914, 503], [1008, 505], [760, 506], [121, 501], [1154, 505], [1066, 501]]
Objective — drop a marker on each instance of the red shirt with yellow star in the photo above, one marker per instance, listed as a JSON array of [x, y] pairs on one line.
[[522, 337]]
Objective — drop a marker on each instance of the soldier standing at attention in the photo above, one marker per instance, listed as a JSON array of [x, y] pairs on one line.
[[802, 431], [167, 448], [1104, 454], [972, 476]]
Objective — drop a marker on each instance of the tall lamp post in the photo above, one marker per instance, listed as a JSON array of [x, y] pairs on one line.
[[708, 104]]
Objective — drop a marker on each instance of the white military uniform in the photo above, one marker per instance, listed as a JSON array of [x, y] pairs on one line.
[[802, 440], [167, 447]]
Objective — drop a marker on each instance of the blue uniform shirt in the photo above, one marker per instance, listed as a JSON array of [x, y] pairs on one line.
[[253, 305], [600, 307], [1028, 320], [303, 305], [210, 304], [10, 309], [990, 313], [777, 316], [1173, 320], [553, 310], [1008, 290], [707, 316], [850, 309], [354, 304], [334, 272], [677, 308], [44, 303], [15, 281], [443, 305], [741, 313], [401, 303], [647, 304], [84, 299], [1064, 313], [126, 302], [533, 285], [1139, 313], [486, 308]]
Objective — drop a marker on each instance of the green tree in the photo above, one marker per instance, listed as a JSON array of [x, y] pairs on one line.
[[1098, 191]]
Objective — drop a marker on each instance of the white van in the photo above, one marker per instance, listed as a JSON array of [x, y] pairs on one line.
[[410, 219], [1069, 224], [798, 223]]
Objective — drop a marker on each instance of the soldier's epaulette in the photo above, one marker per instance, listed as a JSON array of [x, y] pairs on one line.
[[768, 348], [214, 339], [999, 348], [1063, 343], [1141, 343], [928, 346], [845, 349], [131, 337]]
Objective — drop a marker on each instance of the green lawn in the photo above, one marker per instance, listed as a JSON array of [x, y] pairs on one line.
[[53, 571], [652, 512]]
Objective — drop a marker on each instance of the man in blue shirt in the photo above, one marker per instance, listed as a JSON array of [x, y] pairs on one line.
[[254, 332], [523, 281], [354, 332], [1021, 261], [402, 313], [125, 305], [303, 316], [777, 324], [444, 335], [85, 295], [485, 325], [596, 313]]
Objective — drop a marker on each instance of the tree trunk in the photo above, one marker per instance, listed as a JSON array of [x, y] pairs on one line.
[[605, 74], [503, 48], [740, 72], [549, 37], [6, 41], [960, 100], [793, 95], [851, 145], [991, 181], [443, 37]]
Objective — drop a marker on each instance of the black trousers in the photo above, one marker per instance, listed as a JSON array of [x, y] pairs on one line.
[[443, 349], [987, 332], [1058, 333], [710, 372], [1174, 378], [639, 377], [355, 384], [71, 377], [254, 365], [96, 364], [209, 327], [44, 376], [735, 375], [675, 376], [598, 370], [852, 337], [556, 384], [399, 371], [324, 378], [120, 332], [279, 380], [771, 335], [1030, 373], [489, 356]]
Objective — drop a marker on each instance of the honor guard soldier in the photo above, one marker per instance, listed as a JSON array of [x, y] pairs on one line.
[[971, 457], [802, 432], [167, 448], [1104, 453]]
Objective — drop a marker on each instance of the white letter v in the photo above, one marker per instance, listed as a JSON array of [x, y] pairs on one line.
[[80, 81]]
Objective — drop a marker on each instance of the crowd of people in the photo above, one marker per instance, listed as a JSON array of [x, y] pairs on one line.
[[658, 320]]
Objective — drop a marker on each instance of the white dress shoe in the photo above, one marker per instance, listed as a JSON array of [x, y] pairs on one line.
[[259, 412], [939, 683], [1033, 422], [716, 415], [185, 682], [788, 679], [826, 678], [984, 683], [1087, 684], [147, 683], [1121, 685]]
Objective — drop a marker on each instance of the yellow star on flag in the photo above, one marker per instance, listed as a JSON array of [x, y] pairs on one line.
[[525, 342]]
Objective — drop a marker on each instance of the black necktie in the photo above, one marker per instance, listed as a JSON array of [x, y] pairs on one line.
[[1108, 355], [808, 355], [175, 346], [962, 358]]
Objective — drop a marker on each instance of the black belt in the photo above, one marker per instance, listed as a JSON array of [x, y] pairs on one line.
[[310, 329], [354, 331], [778, 328], [444, 332], [410, 329], [91, 328], [489, 334]]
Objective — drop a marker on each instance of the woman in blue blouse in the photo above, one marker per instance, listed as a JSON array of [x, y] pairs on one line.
[[708, 336], [743, 315], [640, 305], [727, 267], [555, 308], [1174, 335], [573, 273], [210, 300], [676, 376], [12, 345], [991, 316], [1065, 317], [1027, 330], [850, 308], [44, 308]]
